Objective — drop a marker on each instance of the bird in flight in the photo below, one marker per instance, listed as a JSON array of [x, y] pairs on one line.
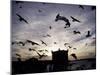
[[50, 27], [81, 6], [30, 49], [15, 42], [70, 46], [43, 43], [41, 56], [20, 42], [40, 50], [74, 56], [58, 17], [76, 32], [88, 34], [33, 43], [65, 44], [75, 48], [21, 18], [55, 42], [74, 19]]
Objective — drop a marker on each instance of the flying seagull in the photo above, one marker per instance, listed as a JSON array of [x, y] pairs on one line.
[[81, 6], [58, 17], [41, 56], [70, 46], [30, 49], [21, 18], [20, 42], [76, 32], [74, 19], [43, 43], [50, 27], [33, 43], [88, 34], [74, 56], [65, 44]]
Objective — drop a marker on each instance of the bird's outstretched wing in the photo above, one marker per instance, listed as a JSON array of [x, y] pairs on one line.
[[74, 19], [43, 43], [21, 18]]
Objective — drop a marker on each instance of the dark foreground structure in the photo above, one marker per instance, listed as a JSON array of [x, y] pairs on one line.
[[59, 62]]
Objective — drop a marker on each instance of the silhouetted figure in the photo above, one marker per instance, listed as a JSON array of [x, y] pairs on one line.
[[74, 19], [50, 27], [74, 56], [33, 43], [19, 57], [88, 34], [76, 32], [93, 7], [43, 43], [20, 42], [58, 17], [30, 49], [21, 18], [81, 6]]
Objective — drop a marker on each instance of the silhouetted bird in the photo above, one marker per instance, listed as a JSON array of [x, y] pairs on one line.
[[93, 8], [46, 50], [41, 56], [74, 56], [50, 27], [18, 55], [81, 6], [48, 35], [40, 50], [88, 34], [74, 19], [30, 49], [33, 43], [65, 44], [74, 48], [15, 42], [76, 32], [21, 18], [70, 46], [23, 44], [58, 17], [43, 43]]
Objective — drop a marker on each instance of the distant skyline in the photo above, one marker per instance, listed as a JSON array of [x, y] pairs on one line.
[[40, 16]]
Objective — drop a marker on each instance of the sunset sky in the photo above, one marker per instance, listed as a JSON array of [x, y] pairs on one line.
[[38, 27]]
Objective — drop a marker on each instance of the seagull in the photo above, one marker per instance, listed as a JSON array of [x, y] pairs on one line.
[[41, 56], [58, 17], [20, 42], [33, 43], [30, 49], [21, 18], [74, 19], [43, 43], [65, 44], [74, 56], [76, 32], [70, 46]]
